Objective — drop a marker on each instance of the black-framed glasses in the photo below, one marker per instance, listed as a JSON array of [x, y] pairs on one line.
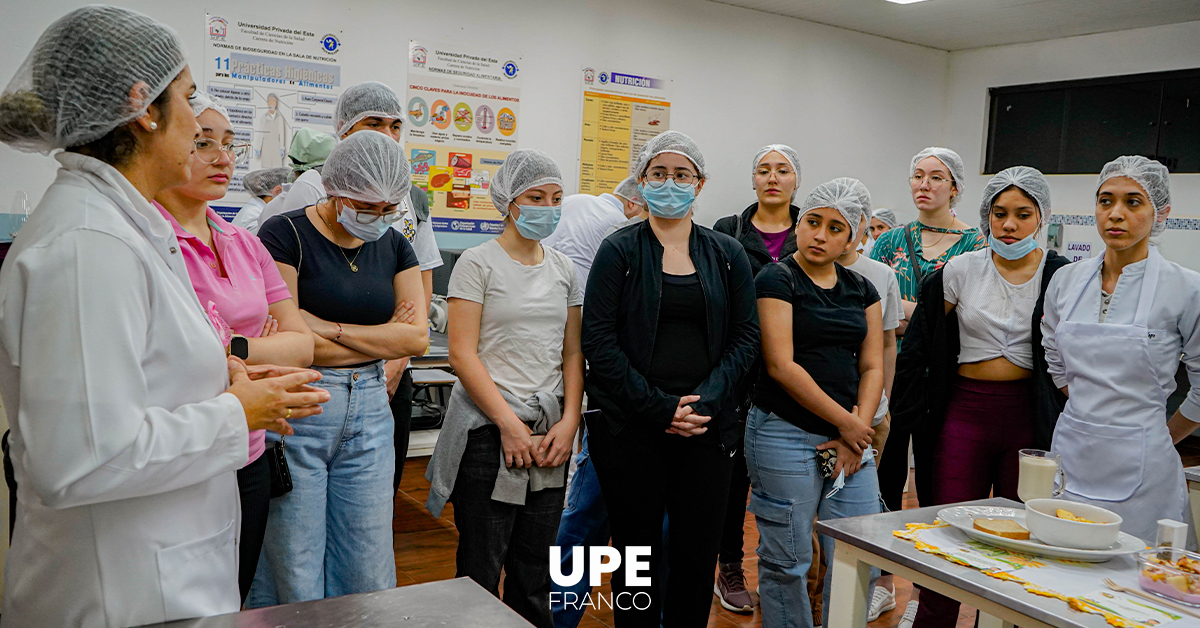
[[364, 216], [209, 151]]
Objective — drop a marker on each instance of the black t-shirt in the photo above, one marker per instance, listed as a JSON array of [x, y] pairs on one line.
[[828, 329], [680, 360], [328, 288]]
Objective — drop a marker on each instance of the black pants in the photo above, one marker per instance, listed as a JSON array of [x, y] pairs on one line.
[[402, 413], [642, 475], [733, 534], [254, 485], [893, 468], [493, 535]]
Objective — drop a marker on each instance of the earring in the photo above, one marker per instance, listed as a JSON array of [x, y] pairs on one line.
[[153, 126]]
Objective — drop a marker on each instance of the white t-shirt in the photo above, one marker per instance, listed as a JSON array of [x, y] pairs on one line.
[[884, 279], [524, 314], [995, 318], [247, 216], [420, 236], [585, 220]]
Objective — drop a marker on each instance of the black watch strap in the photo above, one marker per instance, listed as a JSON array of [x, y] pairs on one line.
[[239, 347]]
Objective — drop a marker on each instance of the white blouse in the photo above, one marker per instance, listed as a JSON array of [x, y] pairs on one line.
[[124, 441], [1174, 320], [995, 317]]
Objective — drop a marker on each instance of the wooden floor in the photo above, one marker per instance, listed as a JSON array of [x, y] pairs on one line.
[[425, 552]]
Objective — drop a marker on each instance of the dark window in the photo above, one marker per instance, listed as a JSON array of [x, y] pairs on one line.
[[1076, 127]]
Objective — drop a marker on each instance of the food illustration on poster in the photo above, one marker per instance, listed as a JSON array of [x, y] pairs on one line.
[[621, 112], [452, 142], [275, 77]]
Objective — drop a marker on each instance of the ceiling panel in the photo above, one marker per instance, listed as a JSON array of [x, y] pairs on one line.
[[965, 24]]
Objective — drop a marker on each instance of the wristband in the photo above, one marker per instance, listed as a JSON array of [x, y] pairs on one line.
[[339, 336]]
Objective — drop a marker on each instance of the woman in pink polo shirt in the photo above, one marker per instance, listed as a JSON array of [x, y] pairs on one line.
[[237, 281]]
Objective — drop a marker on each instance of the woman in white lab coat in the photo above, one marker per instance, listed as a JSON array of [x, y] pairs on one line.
[[124, 441], [1114, 330]]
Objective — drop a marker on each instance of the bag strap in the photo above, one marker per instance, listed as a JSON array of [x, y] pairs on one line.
[[298, 243], [737, 235], [912, 257]]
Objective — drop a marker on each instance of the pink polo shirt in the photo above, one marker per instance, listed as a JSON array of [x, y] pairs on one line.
[[242, 297]]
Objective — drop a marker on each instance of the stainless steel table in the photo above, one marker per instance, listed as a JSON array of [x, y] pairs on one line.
[[865, 542], [458, 603], [1193, 481]]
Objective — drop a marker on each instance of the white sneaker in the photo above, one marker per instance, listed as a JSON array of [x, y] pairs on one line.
[[910, 615], [881, 602]]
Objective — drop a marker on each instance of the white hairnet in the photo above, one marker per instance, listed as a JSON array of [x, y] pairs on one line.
[[1151, 175], [1029, 180], [363, 101], [788, 153], [261, 182], [887, 217], [848, 196], [953, 162], [628, 190], [523, 169], [367, 167], [671, 142], [74, 87], [202, 101]]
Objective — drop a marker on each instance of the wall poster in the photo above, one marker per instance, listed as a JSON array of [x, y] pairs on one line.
[[621, 111]]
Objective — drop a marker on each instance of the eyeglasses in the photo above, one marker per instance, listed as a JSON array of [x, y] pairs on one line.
[[658, 177], [209, 151], [934, 179], [365, 217]]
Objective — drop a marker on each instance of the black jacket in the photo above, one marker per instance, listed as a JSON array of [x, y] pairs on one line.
[[928, 363], [620, 319], [741, 229]]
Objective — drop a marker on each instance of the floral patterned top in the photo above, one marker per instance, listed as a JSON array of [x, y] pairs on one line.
[[891, 250]]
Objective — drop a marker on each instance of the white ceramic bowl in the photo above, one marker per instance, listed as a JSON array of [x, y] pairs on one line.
[[1048, 528]]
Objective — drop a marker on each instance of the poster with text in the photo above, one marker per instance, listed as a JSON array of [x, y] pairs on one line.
[[621, 112], [275, 76], [463, 119]]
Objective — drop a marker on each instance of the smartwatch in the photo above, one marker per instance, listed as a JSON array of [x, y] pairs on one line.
[[240, 347]]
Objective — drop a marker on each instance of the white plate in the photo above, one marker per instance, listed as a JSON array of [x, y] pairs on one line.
[[963, 518]]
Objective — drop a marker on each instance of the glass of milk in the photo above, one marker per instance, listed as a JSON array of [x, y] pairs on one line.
[[1039, 472]]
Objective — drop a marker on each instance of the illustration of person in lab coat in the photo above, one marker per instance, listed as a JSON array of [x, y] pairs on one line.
[[273, 135], [1114, 330]]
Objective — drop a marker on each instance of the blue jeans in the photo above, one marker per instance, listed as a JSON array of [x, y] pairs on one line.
[[584, 523], [332, 534], [787, 493]]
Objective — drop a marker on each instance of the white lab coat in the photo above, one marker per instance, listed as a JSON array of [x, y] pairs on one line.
[[1112, 435], [308, 189], [124, 443], [247, 216]]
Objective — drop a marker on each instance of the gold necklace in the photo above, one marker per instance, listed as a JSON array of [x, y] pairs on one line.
[[353, 266]]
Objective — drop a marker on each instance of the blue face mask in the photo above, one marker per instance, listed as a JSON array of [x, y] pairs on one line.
[[369, 232], [1014, 251], [668, 200], [537, 222]]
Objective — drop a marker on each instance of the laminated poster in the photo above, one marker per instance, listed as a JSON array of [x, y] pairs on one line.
[[275, 76], [463, 121], [621, 112]]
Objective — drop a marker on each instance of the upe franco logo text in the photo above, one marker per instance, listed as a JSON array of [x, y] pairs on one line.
[[601, 560]]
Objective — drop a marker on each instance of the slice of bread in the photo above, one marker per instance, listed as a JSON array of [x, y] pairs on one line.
[[1006, 528]]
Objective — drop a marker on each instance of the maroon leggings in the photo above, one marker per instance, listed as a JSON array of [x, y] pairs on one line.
[[976, 456]]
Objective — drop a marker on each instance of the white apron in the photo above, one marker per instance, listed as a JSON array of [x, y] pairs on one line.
[[1116, 450]]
